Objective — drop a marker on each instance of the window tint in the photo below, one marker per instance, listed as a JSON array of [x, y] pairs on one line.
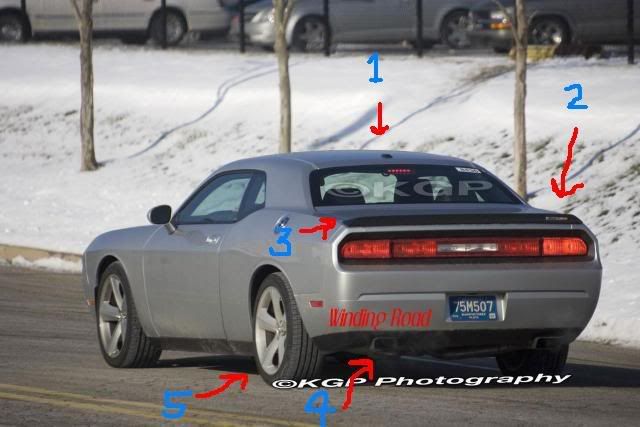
[[218, 201], [406, 184]]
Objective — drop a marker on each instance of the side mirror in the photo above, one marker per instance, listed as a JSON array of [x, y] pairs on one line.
[[160, 215]]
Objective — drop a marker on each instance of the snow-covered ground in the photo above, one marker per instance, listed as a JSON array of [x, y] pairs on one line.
[[165, 120]]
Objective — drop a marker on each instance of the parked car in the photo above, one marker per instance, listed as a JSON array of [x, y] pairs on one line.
[[131, 20], [361, 21], [464, 264], [553, 22]]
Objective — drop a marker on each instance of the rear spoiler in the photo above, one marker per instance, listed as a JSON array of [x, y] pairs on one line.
[[381, 221]]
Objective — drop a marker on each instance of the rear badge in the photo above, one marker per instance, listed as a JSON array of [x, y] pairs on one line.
[[468, 170]]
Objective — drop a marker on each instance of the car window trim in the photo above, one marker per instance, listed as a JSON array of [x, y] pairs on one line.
[[252, 172]]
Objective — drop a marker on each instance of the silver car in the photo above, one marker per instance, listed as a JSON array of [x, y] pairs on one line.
[[291, 258], [553, 22], [361, 21], [131, 20]]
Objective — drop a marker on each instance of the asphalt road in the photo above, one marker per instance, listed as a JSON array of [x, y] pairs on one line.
[[51, 373]]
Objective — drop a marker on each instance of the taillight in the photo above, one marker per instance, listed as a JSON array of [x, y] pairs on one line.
[[461, 247], [366, 249], [564, 246]]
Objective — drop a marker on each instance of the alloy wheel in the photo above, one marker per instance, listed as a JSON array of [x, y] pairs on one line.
[[548, 33], [112, 316], [271, 330], [456, 31], [11, 31], [313, 35], [175, 30]]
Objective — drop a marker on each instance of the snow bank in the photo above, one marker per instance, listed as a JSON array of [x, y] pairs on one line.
[[50, 264], [164, 120]]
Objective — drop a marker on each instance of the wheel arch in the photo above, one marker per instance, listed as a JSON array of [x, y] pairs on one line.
[[257, 278], [104, 263]]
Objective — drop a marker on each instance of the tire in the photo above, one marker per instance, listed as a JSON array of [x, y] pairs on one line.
[[133, 349], [309, 35], [533, 362], [453, 31], [548, 31], [13, 28], [501, 49], [176, 28], [301, 359]]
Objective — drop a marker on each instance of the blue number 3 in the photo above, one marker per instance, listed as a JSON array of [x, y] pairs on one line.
[[283, 239], [175, 410], [573, 104]]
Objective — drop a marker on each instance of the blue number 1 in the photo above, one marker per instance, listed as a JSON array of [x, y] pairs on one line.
[[573, 104], [375, 60]]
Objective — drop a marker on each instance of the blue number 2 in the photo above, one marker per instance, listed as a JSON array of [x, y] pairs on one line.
[[175, 410], [573, 105], [321, 410], [375, 60], [283, 239]]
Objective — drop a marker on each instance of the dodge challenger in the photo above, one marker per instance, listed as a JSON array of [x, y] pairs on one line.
[[293, 258]]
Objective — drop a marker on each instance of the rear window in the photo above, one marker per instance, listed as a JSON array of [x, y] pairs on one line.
[[406, 184]]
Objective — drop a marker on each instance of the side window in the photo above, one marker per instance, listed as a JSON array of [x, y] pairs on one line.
[[218, 202], [256, 194]]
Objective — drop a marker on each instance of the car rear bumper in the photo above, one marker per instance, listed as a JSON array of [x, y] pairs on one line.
[[261, 33], [502, 39], [547, 299]]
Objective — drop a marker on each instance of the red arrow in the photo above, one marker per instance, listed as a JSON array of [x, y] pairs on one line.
[[229, 379], [562, 190], [367, 367], [326, 224], [379, 130]]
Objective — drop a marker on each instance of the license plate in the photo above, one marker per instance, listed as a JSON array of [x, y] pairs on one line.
[[473, 308]]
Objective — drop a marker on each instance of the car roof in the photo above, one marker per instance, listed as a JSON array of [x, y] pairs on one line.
[[338, 158], [288, 174]]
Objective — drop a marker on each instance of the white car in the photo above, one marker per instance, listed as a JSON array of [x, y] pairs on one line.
[[130, 20]]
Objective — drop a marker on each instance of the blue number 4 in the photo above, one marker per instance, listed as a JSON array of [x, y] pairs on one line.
[[573, 104], [321, 410], [283, 239], [375, 60], [175, 410]]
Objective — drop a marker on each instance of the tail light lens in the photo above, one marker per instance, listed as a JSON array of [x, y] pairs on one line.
[[564, 246], [366, 249], [464, 247]]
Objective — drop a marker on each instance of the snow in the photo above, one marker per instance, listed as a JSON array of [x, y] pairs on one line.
[[165, 120], [50, 264]]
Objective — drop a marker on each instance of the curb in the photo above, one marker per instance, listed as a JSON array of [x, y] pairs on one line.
[[10, 252]]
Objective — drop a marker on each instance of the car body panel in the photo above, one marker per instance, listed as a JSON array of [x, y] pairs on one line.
[[197, 282], [358, 21], [588, 21], [52, 16]]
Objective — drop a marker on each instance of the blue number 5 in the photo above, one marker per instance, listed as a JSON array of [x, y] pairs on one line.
[[573, 105], [283, 239], [169, 405], [321, 410], [375, 60]]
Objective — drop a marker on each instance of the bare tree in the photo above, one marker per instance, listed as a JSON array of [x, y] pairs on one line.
[[84, 15], [282, 11], [520, 31]]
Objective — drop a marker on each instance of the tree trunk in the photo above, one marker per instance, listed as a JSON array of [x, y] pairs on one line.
[[520, 142], [282, 11], [84, 15]]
